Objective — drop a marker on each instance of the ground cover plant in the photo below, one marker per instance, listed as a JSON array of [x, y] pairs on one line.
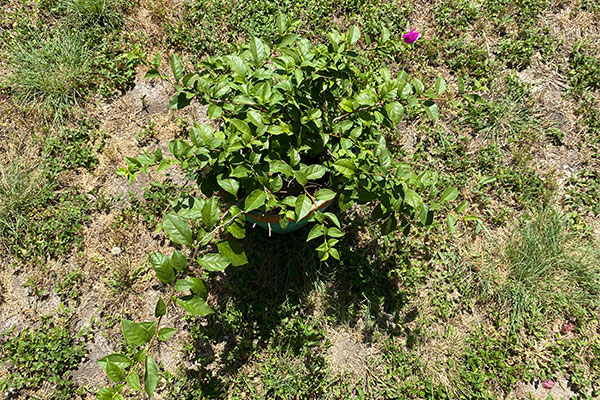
[[495, 296]]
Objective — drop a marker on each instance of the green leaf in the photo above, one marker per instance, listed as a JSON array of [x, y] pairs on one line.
[[389, 225], [315, 171], [182, 285], [418, 85], [300, 177], [211, 213], [431, 109], [255, 118], [353, 35], [440, 86], [287, 40], [106, 394], [345, 166], [281, 167], [426, 216], [449, 194], [242, 126], [259, 50], [161, 308], [237, 65], [214, 262], [367, 97], [240, 171], [412, 198], [119, 360], [156, 60], [325, 195], [281, 23], [238, 227], [177, 229], [196, 285], [133, 380], [140, 355], [214, 111], [176, 67], [162, 267], [228, 185], [385, 34], [294, 157], [331, 216], [150, 376], [232, 251], [135, 333], [394, 111], [303, 206], [460, 82], [165, 334], [195, 306], [451, 223], [315, 232], [113, 372], [334, 232], [152, 74], [178, 260], [255, 200]]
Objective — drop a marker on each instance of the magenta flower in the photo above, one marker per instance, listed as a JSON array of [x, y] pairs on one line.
[[411, 36], [549, 384]]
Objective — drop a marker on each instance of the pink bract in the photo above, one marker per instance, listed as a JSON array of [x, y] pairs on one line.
[[411, 36]]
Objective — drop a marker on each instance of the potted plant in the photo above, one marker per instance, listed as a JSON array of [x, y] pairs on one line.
[[295, 127]]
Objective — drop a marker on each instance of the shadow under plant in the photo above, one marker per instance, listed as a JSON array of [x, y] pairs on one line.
[[267, 307]]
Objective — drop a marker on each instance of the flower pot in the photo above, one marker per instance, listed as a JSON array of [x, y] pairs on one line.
[[271, 222]]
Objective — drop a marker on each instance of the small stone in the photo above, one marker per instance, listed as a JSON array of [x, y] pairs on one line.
[[115, 251]]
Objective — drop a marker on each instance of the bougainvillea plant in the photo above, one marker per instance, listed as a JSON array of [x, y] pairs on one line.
[[293, 127]]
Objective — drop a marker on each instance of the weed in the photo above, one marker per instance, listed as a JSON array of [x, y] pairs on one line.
[[124, 275], [116, 68], [508, 117], [207, 24], [584, 69], [517, 49], [54, 70], [157, 197], [42, 359], [467, 58], [72, 148], [147, 134], [39, 219], [524, 12], [94, 13], [67, 288], [549, 273], [455, 15], [486, 362], [583, 192]]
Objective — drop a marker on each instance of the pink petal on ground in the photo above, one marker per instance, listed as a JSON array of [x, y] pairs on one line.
[[566, 328], [549, 384]]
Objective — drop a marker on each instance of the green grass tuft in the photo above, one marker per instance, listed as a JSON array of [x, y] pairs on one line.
[[550, 273], [50, 69]]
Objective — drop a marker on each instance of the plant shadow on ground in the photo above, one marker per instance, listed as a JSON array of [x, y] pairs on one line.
[[260, 302]]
